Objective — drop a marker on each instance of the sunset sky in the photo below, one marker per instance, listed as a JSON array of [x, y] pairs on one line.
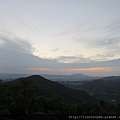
[[60, 37]]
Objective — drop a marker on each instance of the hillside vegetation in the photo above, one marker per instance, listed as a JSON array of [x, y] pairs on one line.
[[36, 96], [107, 88]]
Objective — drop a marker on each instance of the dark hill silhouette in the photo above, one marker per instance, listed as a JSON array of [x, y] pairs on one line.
[[50, 88], [107, 88], [111, 78]]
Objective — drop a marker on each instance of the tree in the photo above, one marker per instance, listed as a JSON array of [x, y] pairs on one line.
[[5, 98], [24, 94]]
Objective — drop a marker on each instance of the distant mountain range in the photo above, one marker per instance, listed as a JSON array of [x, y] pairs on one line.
[[73, 77], [9, 77]]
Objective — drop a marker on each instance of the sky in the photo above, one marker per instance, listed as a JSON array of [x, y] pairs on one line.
[[60, 37]]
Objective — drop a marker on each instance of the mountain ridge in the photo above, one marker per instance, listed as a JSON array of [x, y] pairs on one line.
[[50, 88], [74, 77], [107, 88]]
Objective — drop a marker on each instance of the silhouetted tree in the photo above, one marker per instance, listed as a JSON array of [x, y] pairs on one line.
[[24, 94]]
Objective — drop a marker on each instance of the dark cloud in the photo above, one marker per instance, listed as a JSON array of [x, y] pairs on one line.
[[16, 57], [16, 45]]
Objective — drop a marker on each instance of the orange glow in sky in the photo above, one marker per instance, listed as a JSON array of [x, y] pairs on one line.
[[47, 70]]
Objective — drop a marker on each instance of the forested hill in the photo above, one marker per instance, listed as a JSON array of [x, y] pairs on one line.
[[49, 88], [107, 88], [31, 96]]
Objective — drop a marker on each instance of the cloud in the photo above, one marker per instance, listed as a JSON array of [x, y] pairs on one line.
[[33, 29], [54, 50], [75, 30], [16, 57], [111, 35], [62, 34], [101, 37], [24, 23], [109, 47], [73, 59], [114, 27], [102, 41], [106, 42], [102, 57], [15, 45]]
